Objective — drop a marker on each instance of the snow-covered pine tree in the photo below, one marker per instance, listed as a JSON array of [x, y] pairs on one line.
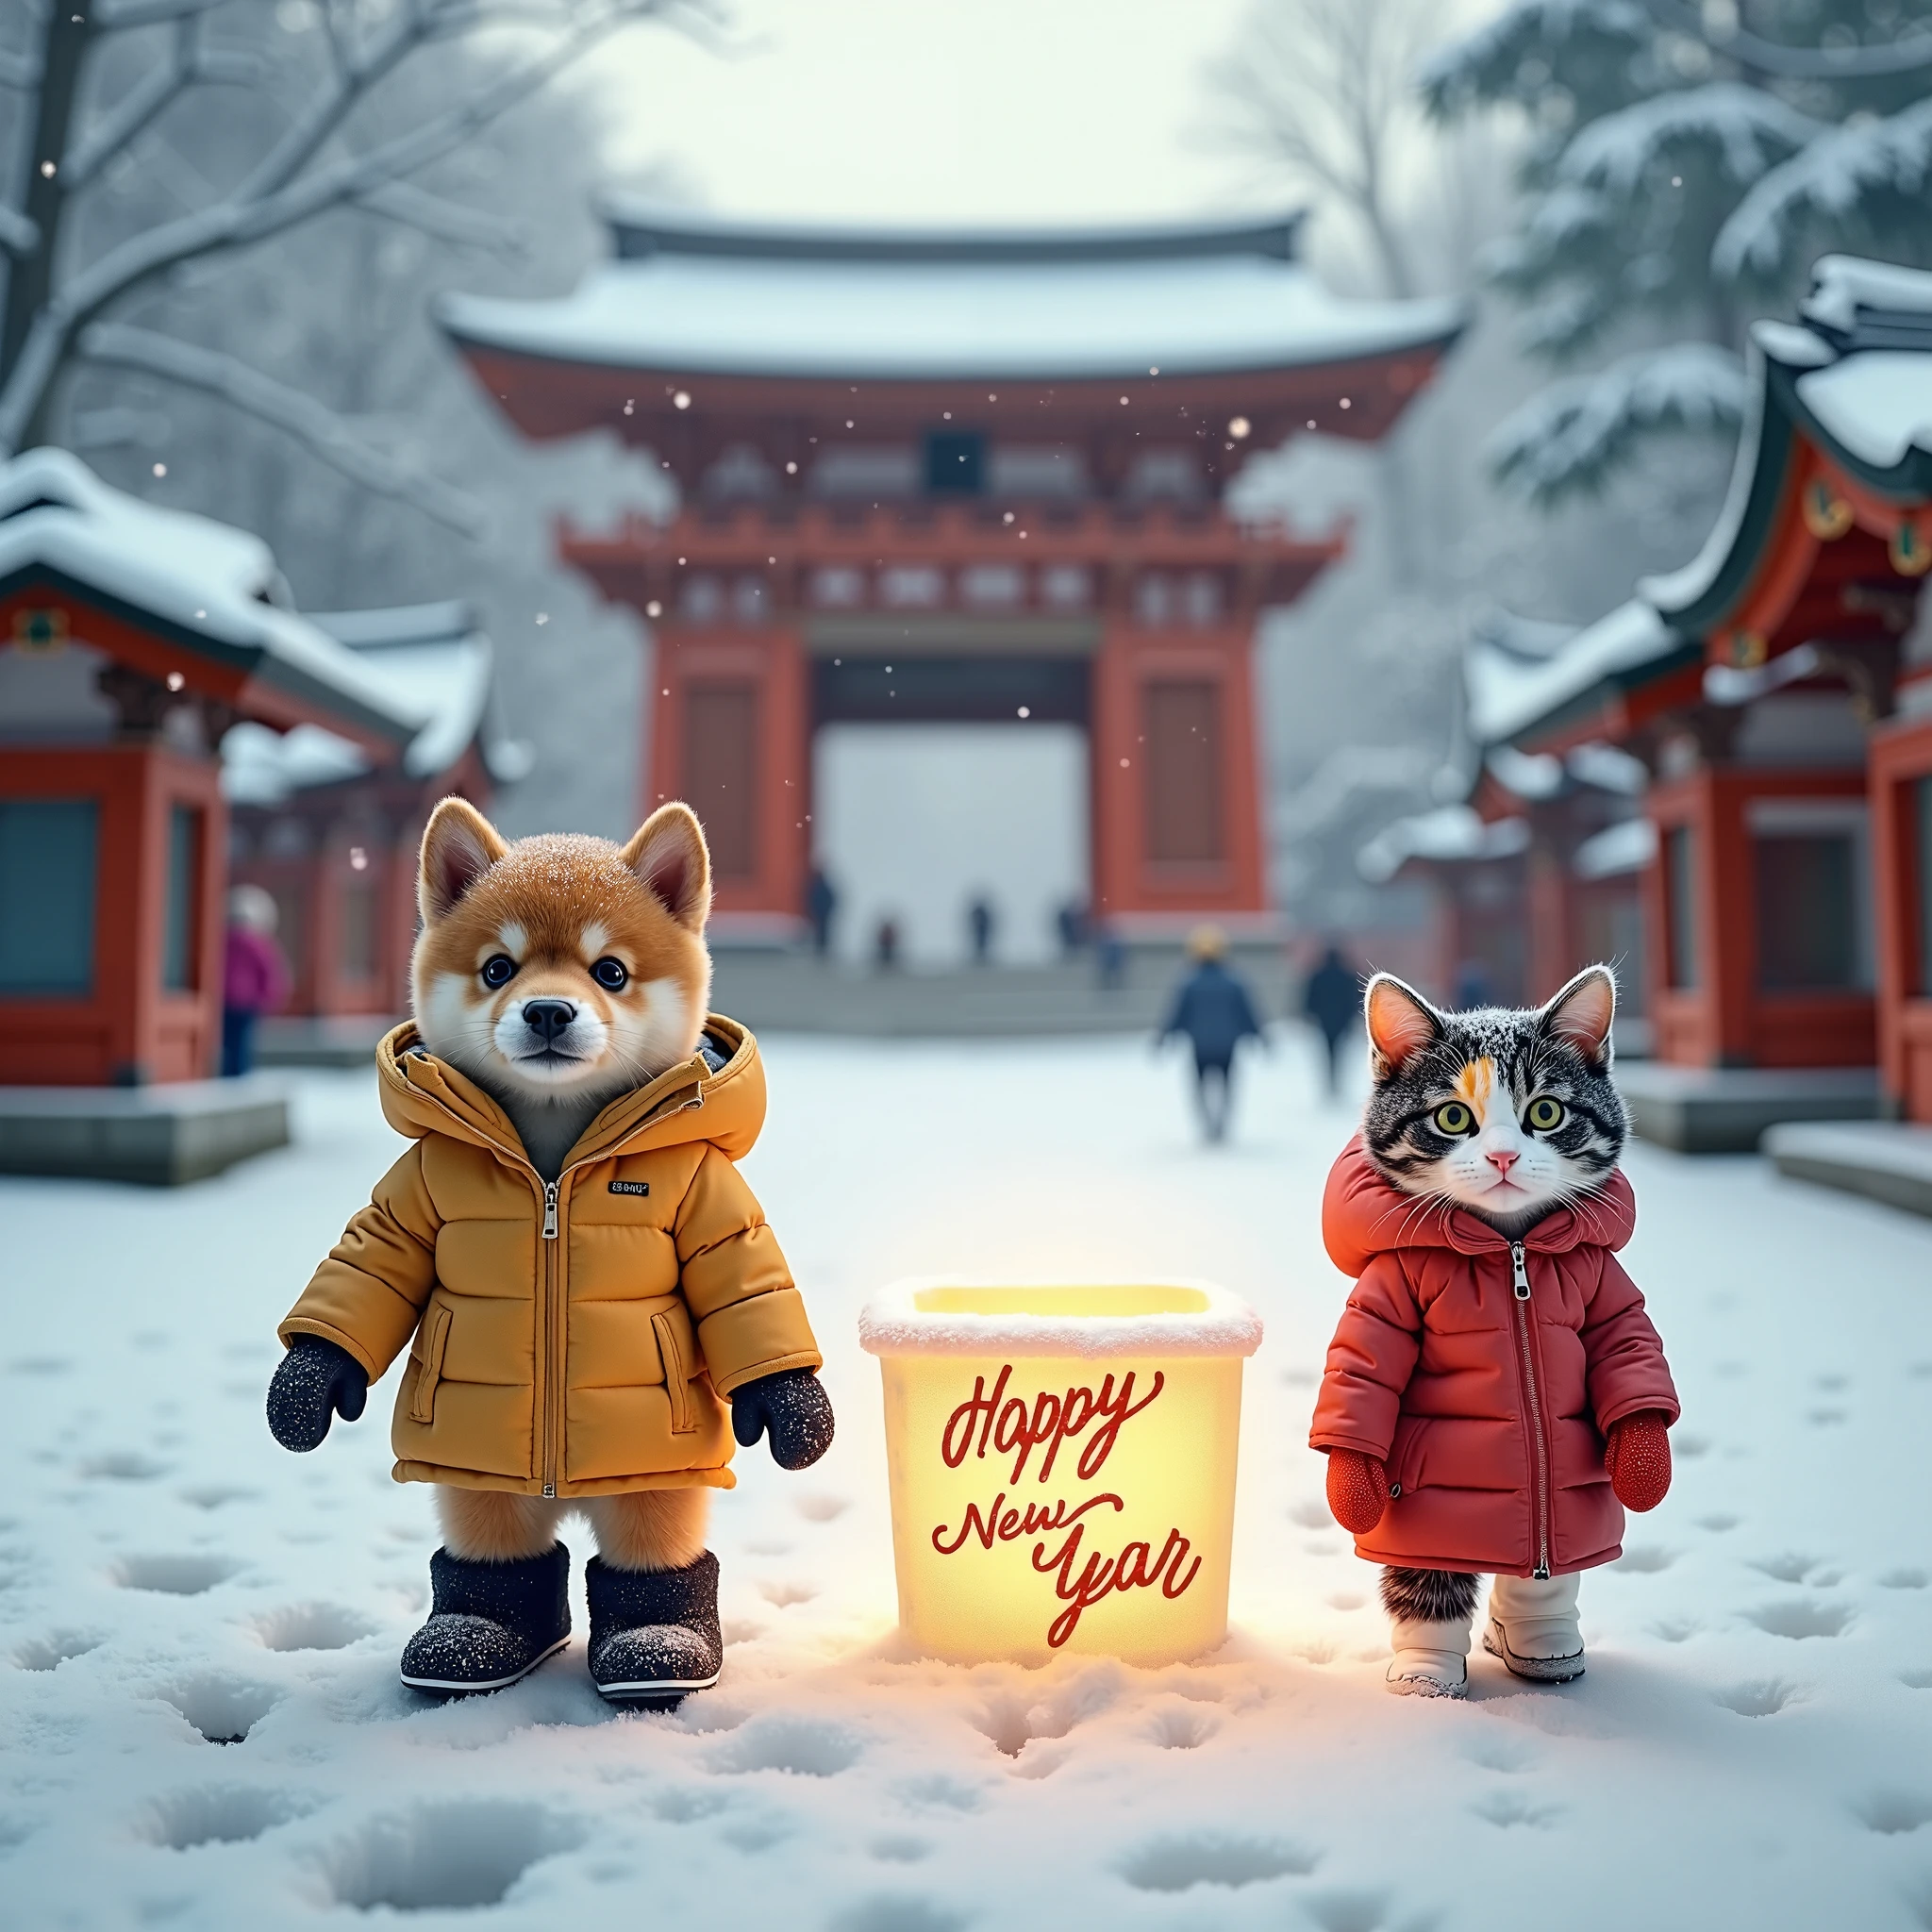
[[1682, 164]]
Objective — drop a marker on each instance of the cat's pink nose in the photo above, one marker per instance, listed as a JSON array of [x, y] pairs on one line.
[[1502, 1159]]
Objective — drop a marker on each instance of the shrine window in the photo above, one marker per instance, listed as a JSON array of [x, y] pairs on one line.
[[721, 772], [992, 586], [48, 880], [1680, 905], [182, 905], [956, 462], [1066, 586], [1182, 767], [912, 586], [357, 957], [1807, 868]]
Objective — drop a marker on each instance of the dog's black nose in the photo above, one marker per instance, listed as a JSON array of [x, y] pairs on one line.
[[548, 1018]]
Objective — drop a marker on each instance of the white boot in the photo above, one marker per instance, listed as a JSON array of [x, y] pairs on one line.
[[1534, 1628], [1430, 1661]]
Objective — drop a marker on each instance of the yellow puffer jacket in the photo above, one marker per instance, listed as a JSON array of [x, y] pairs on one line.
[[573, 1339]]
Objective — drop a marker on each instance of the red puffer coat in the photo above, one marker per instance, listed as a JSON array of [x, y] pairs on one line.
[[1489, 1408]]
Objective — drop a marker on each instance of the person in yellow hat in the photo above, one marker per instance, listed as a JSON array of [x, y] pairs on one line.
[[1212, 1008]]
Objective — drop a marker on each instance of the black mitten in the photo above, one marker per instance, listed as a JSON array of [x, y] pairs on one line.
[[793, 1406], [315, 1380]]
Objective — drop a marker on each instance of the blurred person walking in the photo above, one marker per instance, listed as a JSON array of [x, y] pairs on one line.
[[1332, 999], [820, 905], [1212, 1008], [980, 921], [255, 976]]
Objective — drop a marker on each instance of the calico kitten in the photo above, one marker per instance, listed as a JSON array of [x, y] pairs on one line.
[[1505, 1113]]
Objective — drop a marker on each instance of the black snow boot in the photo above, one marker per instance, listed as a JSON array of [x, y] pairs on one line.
[[654, 1633], [489, 1624]]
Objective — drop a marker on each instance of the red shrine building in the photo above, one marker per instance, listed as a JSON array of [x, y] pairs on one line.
[[1778, 691], [959, 479], [133, 639]]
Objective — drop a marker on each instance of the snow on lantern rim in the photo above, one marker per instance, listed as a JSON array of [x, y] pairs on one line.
[[946, 1315]]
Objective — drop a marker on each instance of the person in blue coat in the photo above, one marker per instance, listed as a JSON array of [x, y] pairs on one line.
[[1213, 1010]]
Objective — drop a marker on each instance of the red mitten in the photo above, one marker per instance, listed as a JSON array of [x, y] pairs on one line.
[[1637, 1453], [1357, 1489]]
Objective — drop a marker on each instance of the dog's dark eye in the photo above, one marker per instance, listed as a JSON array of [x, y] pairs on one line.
[[610, 975], [499, 969]]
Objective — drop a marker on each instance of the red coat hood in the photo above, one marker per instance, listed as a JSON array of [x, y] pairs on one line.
[[1363, 1215]]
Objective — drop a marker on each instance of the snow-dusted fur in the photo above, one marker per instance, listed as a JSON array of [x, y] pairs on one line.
[[1505, 1113], [1428, 1596], [559, 972]]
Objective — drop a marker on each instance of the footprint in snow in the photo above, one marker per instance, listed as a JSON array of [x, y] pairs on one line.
[[40, 1365], [218, 1495], [1791, 1567], [1717, 1525], [444, 1856], [783, 1595], [1916, 1680], [1764, 1698], [218, 1815], [1646, 1559], [1505, 1808], [174, 1576], [1181, 1726], [897, 1912], [1179, 1863], [1312, 1515], [222, 1709], [123, 1466], [1348, 1912], [49, 1652], [1904, 1580], [1893, 1813], [821, 1507], [900, 1848], [1807, 1617], [311, 1626], [1677, 1629], [802, 1746]]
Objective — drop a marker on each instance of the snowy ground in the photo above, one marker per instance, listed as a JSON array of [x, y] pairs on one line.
[[1749, 1746]]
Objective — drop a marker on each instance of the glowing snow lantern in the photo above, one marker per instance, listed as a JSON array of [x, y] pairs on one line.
[[1062, 1465]]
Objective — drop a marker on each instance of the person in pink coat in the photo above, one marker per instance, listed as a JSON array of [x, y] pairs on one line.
[[255, 976]]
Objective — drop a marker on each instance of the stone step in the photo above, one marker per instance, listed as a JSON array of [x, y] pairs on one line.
[[1884, 1160]]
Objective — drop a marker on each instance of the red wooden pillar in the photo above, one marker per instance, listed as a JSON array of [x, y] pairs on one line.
[[1550, 909], [1899, 777], [150, 1009], [729, 734], [1176, 795]]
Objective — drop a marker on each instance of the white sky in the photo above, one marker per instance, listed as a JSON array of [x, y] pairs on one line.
[[942, 110]]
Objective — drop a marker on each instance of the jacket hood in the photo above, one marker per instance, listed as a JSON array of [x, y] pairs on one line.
[[1363, 1215], [423, 1095]]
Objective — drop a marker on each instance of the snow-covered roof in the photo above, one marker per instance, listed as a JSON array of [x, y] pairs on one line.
[[1451, 832], [1501, 648], [434, 661], [1628, 846], [1855, 373], [211, 589], [727, 298], [1632, 638]]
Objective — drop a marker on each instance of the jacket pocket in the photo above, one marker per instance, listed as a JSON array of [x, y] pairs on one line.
[[683, 1419], [429, 1370]]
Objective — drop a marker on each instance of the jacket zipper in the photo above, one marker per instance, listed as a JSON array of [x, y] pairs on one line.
[[1519, 1263], [553, 1301], [553, 1353]]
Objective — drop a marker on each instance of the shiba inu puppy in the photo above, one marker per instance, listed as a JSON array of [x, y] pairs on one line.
[[561, 971], [592, 1304]]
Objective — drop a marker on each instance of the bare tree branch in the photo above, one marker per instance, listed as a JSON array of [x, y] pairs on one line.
[[443, 221], [20, 70], [281, 193], [118, 346], [188, 64], [18, 235], [111, 16], [1909, 54]]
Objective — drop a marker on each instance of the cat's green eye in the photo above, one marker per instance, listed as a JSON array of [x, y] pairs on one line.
[[1545, 1114], [1454, 1118]]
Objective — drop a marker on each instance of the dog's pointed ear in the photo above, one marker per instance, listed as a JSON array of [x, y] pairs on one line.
[[1582, 1012], [669, 854], [1400, 1022], [460, 845]]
